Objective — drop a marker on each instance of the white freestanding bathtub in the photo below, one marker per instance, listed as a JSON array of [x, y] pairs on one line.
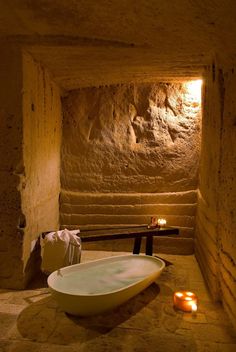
[[95, 287]]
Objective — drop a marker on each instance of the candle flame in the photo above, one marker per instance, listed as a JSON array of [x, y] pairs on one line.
[[161, 222]]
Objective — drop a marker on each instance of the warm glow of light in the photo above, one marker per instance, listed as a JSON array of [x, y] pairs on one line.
[[185, 301], [194, 307], [194, 90], [161, 222]]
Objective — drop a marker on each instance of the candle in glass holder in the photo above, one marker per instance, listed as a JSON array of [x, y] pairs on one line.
[[161, 222], [185, 301]]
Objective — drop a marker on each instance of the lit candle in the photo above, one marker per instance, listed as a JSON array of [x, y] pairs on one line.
[[194, 308], [185, 301], [161, 222]]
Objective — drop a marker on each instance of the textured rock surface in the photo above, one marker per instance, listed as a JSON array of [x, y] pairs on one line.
[[130, 152], [11, 132], [91, 43], [88, 43], [227, 197], [215, 235], [207, 213], [30, 161], [40, 184]]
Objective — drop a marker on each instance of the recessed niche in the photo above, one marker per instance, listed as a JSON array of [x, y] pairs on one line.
[[129, 152]]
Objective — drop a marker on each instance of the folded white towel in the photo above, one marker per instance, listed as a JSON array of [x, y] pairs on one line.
[[59, 249]]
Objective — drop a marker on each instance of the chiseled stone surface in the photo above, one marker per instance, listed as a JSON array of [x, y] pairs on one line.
[[130, 152], [11, 133], [95, 43], [40, 185], [108, 42], [30, 320], [30, 161], [227, 214], [136, 138], [215, 220]]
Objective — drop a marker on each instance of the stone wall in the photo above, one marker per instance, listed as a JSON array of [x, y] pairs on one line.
[[227, 196], [206, 244], [130, 152], [11, 131], [40, 184], [216, 227]]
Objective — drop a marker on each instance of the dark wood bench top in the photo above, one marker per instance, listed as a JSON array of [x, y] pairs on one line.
[[136, 232], [125, 232]]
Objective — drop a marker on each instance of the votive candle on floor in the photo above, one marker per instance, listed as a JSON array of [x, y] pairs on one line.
[[185, 301]]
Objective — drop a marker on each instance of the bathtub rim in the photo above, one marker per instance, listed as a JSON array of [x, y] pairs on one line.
[[162, 267]]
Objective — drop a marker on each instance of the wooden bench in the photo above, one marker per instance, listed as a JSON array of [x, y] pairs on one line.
[[136, 232]]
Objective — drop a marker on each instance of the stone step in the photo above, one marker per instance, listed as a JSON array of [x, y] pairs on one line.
[[83, 198], [88, 219], [159, 210]]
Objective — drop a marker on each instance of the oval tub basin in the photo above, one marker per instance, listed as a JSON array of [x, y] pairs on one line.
[[95, 287]]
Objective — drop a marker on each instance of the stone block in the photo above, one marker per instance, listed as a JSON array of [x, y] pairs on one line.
[[144, 209], [98, 219], [86, 198], [42, 138]]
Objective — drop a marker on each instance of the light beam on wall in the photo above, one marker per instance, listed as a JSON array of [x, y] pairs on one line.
[[194, 90]]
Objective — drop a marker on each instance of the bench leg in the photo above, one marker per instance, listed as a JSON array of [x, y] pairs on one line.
[[149, 243], [137, 245]]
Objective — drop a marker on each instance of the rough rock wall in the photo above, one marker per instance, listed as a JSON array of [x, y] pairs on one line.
[[227, 196], [42, 140], [11, 131], [130, 152], [216, 226], [206, 244]]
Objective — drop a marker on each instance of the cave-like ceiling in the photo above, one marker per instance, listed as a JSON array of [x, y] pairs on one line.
[[88, 42]]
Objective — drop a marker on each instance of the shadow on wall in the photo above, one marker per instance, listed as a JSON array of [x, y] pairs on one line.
[[34, 277]]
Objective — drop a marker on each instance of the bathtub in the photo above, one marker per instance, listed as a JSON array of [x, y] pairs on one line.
[[95, 287]]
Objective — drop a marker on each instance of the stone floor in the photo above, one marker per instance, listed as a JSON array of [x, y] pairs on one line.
[[30, 320]]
